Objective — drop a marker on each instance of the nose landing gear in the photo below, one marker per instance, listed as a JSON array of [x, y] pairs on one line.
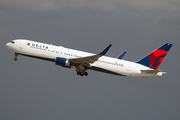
[[15, 59]]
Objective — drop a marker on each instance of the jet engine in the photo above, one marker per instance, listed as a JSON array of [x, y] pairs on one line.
[[62, 62]]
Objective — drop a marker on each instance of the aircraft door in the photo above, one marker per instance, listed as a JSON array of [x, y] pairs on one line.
[[128, 68], [21, 45]]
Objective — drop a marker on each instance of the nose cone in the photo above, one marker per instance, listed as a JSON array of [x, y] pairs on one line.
[[9, 45]]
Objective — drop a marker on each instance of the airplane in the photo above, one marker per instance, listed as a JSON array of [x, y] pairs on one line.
[[83, 61]]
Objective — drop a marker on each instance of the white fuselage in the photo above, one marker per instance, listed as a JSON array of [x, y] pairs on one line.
[[104, 63]]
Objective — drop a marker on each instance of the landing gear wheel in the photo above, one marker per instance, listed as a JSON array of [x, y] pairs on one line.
[[82, 73], [86, 74], [78, 73], [15, 59]]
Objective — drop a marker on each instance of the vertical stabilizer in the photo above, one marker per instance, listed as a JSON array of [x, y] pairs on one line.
[[154, 59]]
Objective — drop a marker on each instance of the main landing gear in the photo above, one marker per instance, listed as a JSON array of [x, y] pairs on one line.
[[81, 70], [82, 73], [15, 59]]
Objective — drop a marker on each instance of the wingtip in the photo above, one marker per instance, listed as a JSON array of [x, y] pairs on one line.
[[122, 55], [105, 50]]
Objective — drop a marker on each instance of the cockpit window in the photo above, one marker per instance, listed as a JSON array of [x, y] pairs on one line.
[[12, 42]]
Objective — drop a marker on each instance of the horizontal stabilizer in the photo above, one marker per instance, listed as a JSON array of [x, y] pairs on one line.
[[151, 71]]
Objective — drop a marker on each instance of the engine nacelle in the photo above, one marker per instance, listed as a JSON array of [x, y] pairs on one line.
[[62, 61]]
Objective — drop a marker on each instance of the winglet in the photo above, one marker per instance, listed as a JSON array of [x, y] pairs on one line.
[[105, 50], [121, 56]]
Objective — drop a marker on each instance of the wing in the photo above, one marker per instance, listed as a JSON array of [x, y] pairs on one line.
[[89, 59], [121, 56]]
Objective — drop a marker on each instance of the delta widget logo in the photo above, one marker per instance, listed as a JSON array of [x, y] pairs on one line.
[[28, 44]]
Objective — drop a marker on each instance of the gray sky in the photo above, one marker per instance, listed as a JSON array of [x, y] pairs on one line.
[[40, 90]]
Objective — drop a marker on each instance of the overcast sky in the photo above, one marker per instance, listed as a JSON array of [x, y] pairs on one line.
[[32, 89]]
